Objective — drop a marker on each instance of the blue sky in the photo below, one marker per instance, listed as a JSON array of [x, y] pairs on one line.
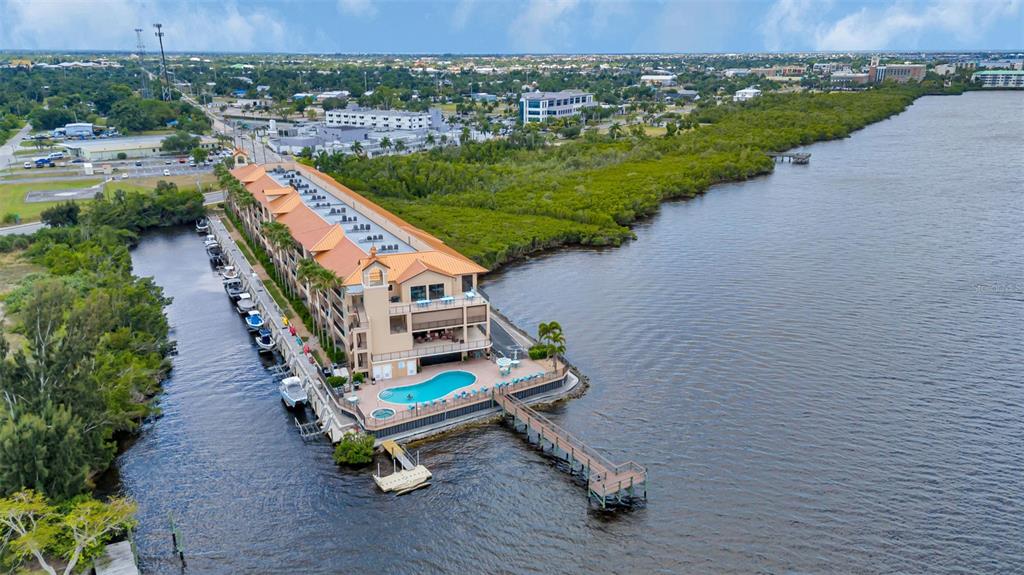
[[507, 26]]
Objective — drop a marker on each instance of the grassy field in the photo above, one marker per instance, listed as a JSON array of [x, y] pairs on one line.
[[13, 269], [12, 196]]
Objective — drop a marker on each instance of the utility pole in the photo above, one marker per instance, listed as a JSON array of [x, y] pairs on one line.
[[165, 91], [142, 63]]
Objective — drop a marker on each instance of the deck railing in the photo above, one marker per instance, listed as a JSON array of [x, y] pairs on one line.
[[435, 304], [425, 350], [449, 404]]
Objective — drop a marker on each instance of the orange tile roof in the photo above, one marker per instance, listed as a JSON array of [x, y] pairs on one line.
[[329, 243], [330, 239], [409, 265], [285, 204]]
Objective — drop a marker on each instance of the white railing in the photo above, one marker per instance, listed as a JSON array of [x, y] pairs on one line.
[[448, 302], [425, 350]]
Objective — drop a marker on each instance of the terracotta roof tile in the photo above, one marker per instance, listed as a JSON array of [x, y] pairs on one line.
[[330, 239]]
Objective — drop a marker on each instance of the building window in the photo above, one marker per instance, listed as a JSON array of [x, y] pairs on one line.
[[436, 291], [398, 324], [418, 293], [467, 283]]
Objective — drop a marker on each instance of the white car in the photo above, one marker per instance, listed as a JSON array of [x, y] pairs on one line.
[[124, 176], [167, 172]]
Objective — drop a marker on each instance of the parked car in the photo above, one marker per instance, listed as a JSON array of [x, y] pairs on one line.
[[138, 164], [167, 172], [124, 176], [167, 162], [181, 160], [28, 165]]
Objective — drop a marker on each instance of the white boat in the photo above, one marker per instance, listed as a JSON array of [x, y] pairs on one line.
[[254, 321], [292, 393], [234, 287], [245, 304], [202, 226], [265, 340], [213, 250], [210, 240], [228, 272]]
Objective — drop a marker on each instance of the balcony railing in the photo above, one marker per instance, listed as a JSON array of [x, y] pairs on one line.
[[447, 302], [425, 350], [424, 325]]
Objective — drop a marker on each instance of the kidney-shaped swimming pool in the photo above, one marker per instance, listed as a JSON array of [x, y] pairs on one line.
[[434, 388]]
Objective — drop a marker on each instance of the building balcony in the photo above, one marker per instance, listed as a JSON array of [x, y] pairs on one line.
[[434, 348], [467, 299]]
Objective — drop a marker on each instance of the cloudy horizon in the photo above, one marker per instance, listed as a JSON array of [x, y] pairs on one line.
[[506, 27]]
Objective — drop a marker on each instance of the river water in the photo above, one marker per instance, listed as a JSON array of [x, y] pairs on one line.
[[823, 370]]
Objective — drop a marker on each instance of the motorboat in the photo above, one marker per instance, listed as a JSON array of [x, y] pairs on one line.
[[234, 287], [202, 226], [210, 239], [265, 340], [254, 321], [213, 250], [229, 272], [292, 392], [245, 303]]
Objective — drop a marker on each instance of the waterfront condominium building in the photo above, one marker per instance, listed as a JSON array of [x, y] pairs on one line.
[[540, 106], [403, 299], [999, 78], [900, 73], [377, 119]]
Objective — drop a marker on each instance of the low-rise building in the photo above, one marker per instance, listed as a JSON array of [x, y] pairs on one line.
[[357, 117], [999, 78], [658, 79], [403, 299], [130, 147], [541, 106], [848, 79], [746, 94], [900, 73]]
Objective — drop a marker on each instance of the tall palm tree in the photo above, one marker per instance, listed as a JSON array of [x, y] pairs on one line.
[[550, 333], [400, 146], [615, 131], [357, 149], [431, 140], [280, 239], [385, 143], [318, 280]]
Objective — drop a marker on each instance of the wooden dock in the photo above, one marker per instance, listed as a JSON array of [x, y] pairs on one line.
[[608, 484], [793, 157]]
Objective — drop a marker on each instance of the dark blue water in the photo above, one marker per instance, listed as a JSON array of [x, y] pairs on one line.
[[823, 370]]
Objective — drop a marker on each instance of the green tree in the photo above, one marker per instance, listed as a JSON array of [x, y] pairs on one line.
[[357, 149], [179, 141], [37, 531], [550, 333], [200, 155], [354, 449], [63, 214]]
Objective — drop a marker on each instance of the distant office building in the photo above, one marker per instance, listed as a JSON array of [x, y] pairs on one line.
[[658, 79], [357, 117], [746, 94], [734, 72], [848, 79], [999, 78], [541, 106], [483, 97], [76, 130], [131, 147], [335, 94], [899, 73]]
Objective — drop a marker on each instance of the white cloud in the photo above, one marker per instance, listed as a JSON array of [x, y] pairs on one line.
[[108, 24], [363, 8], [460, 15], [541, 25], [798, 24]]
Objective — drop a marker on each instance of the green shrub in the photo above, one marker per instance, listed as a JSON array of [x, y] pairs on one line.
[[122, 156], [539, 351], [354, 449], [11, 218], [337, 380], [358, 377]]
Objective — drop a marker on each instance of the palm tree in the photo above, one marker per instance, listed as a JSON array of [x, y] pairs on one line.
[[431, 140], [399, 146], [357, 149], [280, 238], [551, 334], [318, 280], [615, 131], [385, 143]]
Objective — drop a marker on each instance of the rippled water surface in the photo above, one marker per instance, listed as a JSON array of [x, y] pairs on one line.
[[823, 370]]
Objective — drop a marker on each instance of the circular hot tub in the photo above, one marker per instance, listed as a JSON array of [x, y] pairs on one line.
[[383, 413]]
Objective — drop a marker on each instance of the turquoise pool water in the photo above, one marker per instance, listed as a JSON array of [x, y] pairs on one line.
[[383, 413], [434, 388]]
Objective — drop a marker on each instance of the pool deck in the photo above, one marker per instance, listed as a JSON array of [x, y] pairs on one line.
[[486, 373]]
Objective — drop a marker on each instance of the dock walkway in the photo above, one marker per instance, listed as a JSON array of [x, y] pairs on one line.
[[330, 418], [794, 157], [608, 484]]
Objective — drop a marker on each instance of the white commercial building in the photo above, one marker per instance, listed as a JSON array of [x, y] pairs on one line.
[[356, 117], [540, 106], [1000, 78], [746, 94]]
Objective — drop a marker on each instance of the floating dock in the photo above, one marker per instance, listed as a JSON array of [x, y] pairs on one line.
[[411, 476], [608, 484], [793, 157]]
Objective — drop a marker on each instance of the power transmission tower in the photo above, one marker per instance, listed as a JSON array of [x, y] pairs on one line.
[[165, 87], [142, 63]]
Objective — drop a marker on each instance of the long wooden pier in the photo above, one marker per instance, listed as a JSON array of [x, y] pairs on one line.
[[608, 484]]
